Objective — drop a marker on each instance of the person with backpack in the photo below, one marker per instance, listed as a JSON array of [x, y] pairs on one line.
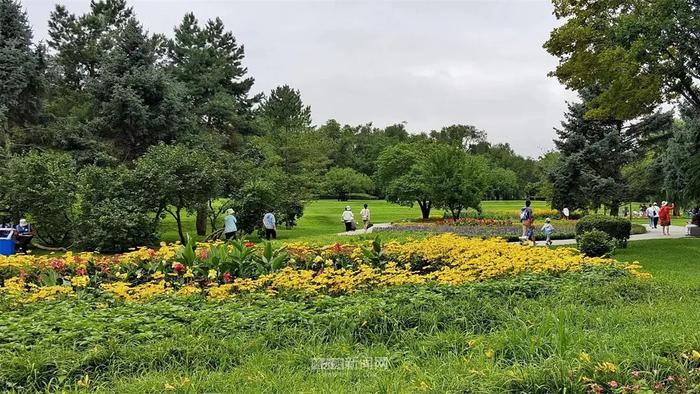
[[527, 220]]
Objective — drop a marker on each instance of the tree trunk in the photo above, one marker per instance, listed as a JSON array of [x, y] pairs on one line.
[[424, 209], [614, 209], [178, 220], [202, 215]]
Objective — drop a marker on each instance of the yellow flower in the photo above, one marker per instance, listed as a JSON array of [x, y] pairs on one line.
[[606, 367], [695, 355], [583, 356], [489, 354], [212, 274], [84, 381], [158, 275]]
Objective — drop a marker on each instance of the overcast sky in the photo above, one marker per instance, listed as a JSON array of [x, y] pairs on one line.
[[427, 63]]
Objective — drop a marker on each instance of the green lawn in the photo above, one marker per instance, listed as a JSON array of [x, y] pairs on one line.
[[523, 335], [321, 218]]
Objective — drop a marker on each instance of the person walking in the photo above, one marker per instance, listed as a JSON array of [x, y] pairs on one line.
[[653, 215], [665, 217], [348, 218], [548, 229], [270, 225], [526, 218], [365, 217], [230, 227]]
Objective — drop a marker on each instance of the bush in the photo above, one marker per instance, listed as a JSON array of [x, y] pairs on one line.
[[41, 187], [114, 216], [615, 227], [595, 243], [115, 225], [638, 229]]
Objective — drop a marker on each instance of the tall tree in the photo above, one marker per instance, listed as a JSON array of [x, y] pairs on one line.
[[463, 136], [21, 69], [638, 53], [593, 153], [209, 62], [82, 42], [136, 104], [284, 110]]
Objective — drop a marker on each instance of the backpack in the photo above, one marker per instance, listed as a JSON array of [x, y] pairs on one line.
[[524, 214]]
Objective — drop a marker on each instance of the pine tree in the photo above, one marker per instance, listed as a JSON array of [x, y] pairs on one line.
[[284, 110], [209, 62], [81, 43], [21, 69], [593, 152], [136, 104]]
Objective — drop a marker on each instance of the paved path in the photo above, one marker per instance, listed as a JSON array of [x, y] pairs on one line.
[[369, 230], [676, 232]]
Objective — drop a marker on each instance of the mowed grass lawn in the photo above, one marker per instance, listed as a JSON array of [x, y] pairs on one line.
[[321, 219]]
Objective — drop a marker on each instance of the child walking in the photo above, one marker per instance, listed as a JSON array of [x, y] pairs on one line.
[[548, 229]]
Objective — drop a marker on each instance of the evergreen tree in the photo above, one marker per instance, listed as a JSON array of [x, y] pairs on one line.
[[21, 69], [136, 104], [209, 62], [81, 43], [284, 110], [593, 153]]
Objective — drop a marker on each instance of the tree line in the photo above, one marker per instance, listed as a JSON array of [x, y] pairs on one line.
[[107, 129]]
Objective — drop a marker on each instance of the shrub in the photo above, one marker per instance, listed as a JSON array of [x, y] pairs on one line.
[[114, 216], [638, 229], [115, 225], [595, 243], [615, 227], [41, 187]]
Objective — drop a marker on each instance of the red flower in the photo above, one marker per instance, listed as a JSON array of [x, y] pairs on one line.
[[227, 277], [203, 254], [179, 268], [57, 264], [22, 274], [76, 259], [81, 271], [337, 248], [249, 244]]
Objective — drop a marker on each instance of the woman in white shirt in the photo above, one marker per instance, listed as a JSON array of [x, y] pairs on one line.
[[348, 219], [365, 216]]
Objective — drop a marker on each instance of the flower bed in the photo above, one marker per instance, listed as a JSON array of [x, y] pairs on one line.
[[505, 229], [220, 270]]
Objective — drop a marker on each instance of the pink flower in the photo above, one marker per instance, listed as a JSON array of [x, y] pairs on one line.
[[227, 277], [636, 374], [203, 254], [179, 267], [81, 271], [597, 388], [613, 384]]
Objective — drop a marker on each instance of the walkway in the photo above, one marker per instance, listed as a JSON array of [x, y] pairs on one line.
[[369, 230], [676, 232]]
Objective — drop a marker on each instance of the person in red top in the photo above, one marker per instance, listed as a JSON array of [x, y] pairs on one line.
[[665, 217]]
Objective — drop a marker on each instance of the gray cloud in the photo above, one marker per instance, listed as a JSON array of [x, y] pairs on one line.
[[427, 63]]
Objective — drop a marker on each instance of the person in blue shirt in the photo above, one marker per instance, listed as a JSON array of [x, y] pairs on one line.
[[230, 227], [25, 233], [270, 225]]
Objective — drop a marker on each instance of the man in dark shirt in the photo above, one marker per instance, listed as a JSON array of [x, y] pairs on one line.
[[25, 233]]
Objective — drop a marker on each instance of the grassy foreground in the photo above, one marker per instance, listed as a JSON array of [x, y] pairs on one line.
[[529, 334]]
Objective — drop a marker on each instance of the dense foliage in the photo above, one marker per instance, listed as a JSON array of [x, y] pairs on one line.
[[616, 228]]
